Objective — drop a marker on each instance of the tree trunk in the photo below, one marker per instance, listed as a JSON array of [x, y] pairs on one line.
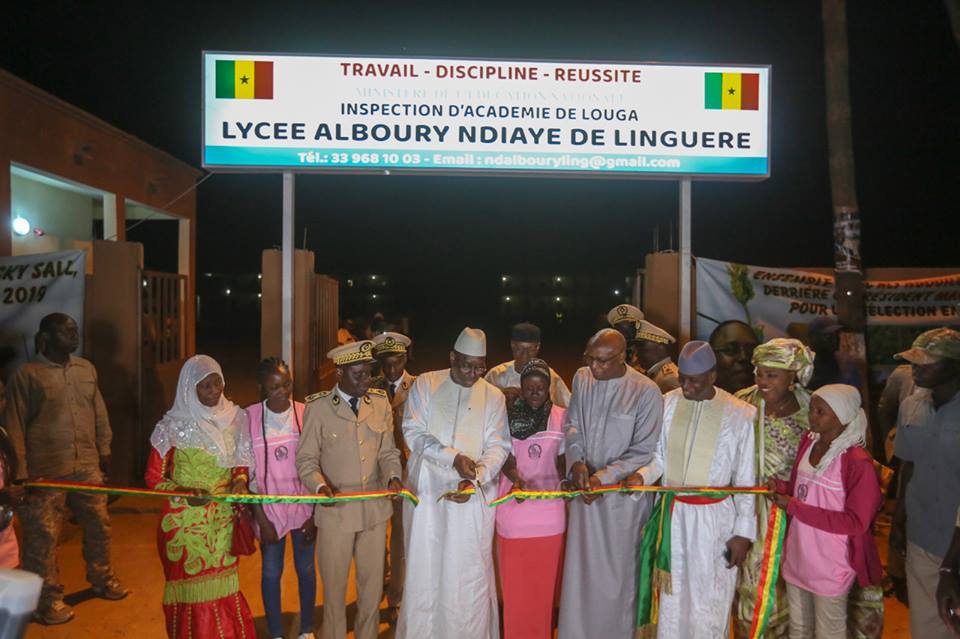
[[846, 213], [953, 12]]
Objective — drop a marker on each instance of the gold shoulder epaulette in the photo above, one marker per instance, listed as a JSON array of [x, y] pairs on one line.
[[377, 391], [310, 398]]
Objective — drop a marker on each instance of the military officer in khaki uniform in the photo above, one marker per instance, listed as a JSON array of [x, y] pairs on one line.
[[347, 445], [391, 349], [651, 350], [626, 319]]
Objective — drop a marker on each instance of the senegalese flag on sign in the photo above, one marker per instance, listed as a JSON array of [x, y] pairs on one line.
[[731, 91], [245, 79]]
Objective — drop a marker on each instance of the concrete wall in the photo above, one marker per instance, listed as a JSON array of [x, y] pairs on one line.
[[112, 338], [304, 378]]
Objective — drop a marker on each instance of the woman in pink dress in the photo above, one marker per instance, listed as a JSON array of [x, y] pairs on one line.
[[530, 533], [832, 498], [275, 425]]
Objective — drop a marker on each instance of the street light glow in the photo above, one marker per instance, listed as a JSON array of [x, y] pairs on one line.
[[21, 226]]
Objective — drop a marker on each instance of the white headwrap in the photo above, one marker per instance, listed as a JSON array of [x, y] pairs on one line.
[[844, 400], [220, 430]]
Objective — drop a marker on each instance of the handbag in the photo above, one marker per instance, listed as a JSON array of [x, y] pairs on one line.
[[243, 534]]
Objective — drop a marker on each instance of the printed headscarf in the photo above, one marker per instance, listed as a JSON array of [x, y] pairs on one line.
[[786, 354], [844, 400], [220, 430], [523, 419]]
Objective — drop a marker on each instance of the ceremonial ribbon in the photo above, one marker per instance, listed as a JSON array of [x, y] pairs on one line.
[[618, 488], [654, 569], [81, 487], [654, 574], [770, 571]]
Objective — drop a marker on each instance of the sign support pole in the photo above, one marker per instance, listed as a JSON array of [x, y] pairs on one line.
[[286, 258], [685, 262]]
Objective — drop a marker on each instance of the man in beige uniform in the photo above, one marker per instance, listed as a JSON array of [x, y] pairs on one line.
[[390, 349], [625, 318], [347, 445], [651, 350], [59, 430]]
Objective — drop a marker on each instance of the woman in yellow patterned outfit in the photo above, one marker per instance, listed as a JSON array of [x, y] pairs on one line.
[[783, 368], [201, 445]]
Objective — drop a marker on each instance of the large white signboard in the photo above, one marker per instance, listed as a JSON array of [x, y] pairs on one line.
[[290, 112]]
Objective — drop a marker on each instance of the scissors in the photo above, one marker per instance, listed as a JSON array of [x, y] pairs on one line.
[[479, 484]]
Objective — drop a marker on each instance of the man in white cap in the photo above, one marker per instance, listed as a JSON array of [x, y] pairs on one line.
[[390, 349], [347, 446], [525, 345], [651, 352], [455, 424], [611, 430], [927, 436], [707, 440]]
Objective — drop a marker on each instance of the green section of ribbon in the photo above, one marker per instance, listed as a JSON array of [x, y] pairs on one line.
[[222, 497], [654, 554]]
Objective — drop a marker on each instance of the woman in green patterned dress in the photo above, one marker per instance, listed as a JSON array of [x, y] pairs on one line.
[[202, 446], [783, 367]]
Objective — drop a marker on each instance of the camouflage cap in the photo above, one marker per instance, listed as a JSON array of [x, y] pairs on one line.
[[933, 346]]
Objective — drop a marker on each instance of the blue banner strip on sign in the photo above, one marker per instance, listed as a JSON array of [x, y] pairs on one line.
[[482, 160]]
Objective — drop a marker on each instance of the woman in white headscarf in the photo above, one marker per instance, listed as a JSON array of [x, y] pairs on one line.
[[201, 445], [832, 497]]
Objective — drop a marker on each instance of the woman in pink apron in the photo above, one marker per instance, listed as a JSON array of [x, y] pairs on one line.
[[275, 425], [530, 533], [833, 497]]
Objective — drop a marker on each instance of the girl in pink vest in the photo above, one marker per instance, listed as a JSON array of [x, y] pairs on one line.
[[530, 534], [275, 426], [832, 498]]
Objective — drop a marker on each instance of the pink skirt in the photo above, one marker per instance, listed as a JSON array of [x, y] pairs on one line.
[[529, 575]]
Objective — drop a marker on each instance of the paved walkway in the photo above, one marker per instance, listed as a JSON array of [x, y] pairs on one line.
[[138, 567]]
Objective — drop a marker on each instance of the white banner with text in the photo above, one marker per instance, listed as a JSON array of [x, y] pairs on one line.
[[772, 300]]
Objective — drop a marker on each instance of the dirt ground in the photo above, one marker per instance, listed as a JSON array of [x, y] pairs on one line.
[[138, 567]]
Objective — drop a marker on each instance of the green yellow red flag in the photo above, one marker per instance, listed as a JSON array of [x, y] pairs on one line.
[[731, 91], [244, 79]]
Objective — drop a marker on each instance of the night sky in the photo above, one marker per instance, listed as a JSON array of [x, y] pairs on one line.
[[139, 69]]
